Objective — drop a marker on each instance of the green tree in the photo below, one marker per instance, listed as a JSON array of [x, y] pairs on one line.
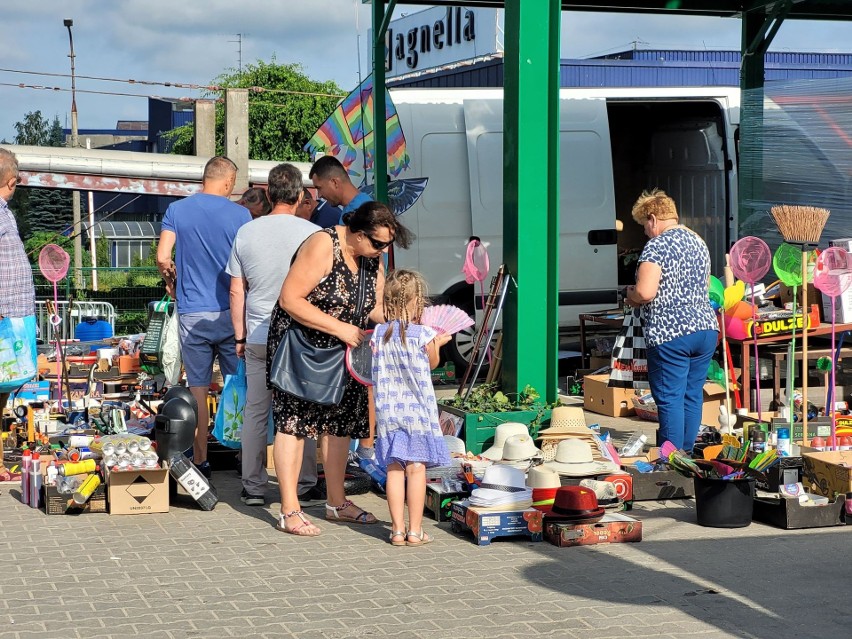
[[279, 123], [40, 210]]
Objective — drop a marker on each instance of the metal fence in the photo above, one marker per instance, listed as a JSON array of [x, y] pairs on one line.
[[129, 291]]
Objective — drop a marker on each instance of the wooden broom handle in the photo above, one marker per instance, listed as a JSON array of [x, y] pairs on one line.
[[805, 312]]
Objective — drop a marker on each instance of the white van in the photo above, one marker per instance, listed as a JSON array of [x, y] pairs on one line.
[[614, 144]]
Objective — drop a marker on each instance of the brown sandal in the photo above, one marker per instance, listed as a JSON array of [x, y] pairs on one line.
[[298, 529], [333, 513]]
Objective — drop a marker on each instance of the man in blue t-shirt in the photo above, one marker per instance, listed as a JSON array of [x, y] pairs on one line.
[[201, 229], [334, 186]]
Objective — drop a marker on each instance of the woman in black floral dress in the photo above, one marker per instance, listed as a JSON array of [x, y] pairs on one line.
[[320, 293]]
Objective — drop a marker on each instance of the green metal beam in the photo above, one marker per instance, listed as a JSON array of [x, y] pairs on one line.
[[381, 19], [531, 195]]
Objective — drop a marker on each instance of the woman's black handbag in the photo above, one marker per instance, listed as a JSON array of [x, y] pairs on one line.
[[311, 372]]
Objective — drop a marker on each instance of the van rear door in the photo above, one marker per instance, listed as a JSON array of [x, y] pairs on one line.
[[587, 250]]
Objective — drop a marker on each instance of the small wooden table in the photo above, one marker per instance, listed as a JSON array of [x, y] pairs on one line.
[[613, 317], [746, 345]]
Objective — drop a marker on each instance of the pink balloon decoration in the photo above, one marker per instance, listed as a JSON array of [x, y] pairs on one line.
[[750, 259]]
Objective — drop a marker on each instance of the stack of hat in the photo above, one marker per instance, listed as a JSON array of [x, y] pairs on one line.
[[544, 483], [519, 451], [574, 459], [574, 505], [502, 487], [565, 422], [501, 434], [605, 492]]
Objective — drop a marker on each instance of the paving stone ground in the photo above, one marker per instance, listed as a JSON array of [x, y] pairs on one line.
[[229, 573]]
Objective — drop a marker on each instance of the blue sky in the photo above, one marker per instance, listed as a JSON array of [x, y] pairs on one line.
[[193, 42]]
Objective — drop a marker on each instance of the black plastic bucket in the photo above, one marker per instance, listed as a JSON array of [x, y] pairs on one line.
[[722, 503]]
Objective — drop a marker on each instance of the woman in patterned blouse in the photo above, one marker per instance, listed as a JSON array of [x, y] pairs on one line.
[[680, 326]]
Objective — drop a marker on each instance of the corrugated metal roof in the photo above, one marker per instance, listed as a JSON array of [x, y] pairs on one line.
[[649, 68]]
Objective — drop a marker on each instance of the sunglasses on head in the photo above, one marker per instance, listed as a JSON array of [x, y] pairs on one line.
[[377, 244]]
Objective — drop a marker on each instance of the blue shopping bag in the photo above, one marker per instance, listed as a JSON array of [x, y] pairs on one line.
[[232, 402], [18, 352]]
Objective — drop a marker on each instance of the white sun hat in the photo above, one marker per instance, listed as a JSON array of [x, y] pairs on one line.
[[501, 485], [574, 458], [543, 477], [454, 445], [501, 434], [519, 448]]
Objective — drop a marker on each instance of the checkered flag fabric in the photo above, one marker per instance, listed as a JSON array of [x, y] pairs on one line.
[[629, 355]]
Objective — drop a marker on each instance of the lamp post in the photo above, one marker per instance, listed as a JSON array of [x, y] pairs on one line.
[[75, 195]]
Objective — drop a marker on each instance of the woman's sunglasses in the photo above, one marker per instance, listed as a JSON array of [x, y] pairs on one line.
[[378, 245]]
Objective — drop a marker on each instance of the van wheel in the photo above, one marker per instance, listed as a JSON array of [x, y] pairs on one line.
[[460, 349]]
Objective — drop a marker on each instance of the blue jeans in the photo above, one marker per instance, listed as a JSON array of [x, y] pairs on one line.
[[677, 371]]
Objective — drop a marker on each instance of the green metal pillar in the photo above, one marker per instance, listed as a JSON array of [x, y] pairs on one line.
[[758, 30], [381, 17], [531, 195]]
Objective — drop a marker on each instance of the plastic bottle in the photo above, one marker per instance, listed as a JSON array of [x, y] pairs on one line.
[[26, 471], [370, 467], [844, 443], [36, 481], [52, 473], [818, 443], [634, 445], [783, 445]]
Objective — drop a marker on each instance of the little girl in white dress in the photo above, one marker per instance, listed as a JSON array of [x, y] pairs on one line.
[[408, 435]]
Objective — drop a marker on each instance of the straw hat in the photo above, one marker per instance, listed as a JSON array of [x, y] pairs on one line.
[[565, 419], [501, 434], [574, 458], [543, 477]]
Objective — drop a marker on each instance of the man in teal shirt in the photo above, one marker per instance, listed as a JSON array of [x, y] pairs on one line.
[[334, 186]]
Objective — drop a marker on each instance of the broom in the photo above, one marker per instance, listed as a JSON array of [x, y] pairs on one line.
[[802, 225]]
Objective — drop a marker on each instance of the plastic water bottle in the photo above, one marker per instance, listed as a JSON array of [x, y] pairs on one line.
[[634, 445], [370, 467], [782, 446]]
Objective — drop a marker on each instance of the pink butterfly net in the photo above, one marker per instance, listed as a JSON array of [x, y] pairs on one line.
[[53, 263]]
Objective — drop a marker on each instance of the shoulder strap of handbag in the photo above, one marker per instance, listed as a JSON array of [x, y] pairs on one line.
[[362, 285]]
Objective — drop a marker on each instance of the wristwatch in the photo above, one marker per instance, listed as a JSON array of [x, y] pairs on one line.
[[240, 341]]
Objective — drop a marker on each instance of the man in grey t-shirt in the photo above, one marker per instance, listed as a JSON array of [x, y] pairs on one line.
[[260, 259]]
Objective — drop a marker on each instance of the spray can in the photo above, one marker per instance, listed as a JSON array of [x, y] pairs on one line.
[[81, 496], [36, 481], [26, 471], [77, 468]]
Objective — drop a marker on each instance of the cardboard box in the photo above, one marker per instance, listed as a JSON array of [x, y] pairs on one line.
[[440, 505], [789, 513], [660, 485], [788, 470], [603, 400], [622, 481], [827, 473], [56, 503], [714, 397], [487, 524], [135, 492], [614, 528]]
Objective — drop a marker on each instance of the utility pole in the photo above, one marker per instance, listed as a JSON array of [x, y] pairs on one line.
[[75, 195]]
